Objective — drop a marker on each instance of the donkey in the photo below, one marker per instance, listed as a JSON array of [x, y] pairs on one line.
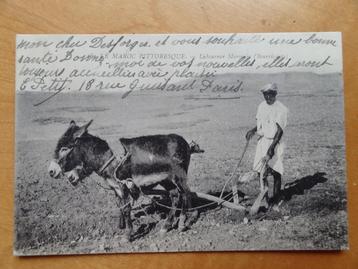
[[148, 161]]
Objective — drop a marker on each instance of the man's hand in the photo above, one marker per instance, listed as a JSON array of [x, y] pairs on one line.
[[250, 134], [276, 140], [269, 155], [270, 152], [266, 158]]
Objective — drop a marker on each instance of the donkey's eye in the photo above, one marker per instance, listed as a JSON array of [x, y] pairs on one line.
[[64, 149]]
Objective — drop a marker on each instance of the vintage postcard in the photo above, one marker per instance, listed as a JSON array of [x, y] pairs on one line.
[[179, 142]]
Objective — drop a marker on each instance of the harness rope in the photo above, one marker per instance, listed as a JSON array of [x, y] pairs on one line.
[[125, 158], [106, 164]]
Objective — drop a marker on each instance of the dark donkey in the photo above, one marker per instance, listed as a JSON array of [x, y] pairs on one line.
[[148, 161]]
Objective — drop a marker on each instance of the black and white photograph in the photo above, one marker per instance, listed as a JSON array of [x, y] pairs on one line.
[[130, 143]]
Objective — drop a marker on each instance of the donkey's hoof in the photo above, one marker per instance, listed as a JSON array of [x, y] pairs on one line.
[[192, 219], [182, 228], [125, 239], [195, 215], [163, 231], [181, 223]]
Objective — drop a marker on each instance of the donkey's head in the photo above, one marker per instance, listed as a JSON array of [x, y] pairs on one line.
[[78, 154]]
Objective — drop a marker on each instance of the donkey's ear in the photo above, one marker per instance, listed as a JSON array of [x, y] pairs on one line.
[[72, 123], [82, 130]]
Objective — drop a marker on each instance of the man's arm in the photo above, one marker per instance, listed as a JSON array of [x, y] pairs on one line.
[[276, 140], [251, 133]]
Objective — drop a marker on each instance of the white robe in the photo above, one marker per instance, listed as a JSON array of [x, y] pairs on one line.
[[266, 118]]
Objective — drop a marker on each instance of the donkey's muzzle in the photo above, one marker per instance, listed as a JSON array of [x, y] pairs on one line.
[[54, 169]]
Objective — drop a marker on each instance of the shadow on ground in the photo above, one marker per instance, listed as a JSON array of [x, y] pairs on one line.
[[299, 186]]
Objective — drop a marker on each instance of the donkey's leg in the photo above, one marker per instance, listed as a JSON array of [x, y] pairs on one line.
[[174, 197], [184, 220], [193, 214], [125, 221], [128, 221], [185, 194], [183, 213]]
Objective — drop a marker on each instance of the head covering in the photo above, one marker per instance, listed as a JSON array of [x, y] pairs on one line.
[[269, 87]]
